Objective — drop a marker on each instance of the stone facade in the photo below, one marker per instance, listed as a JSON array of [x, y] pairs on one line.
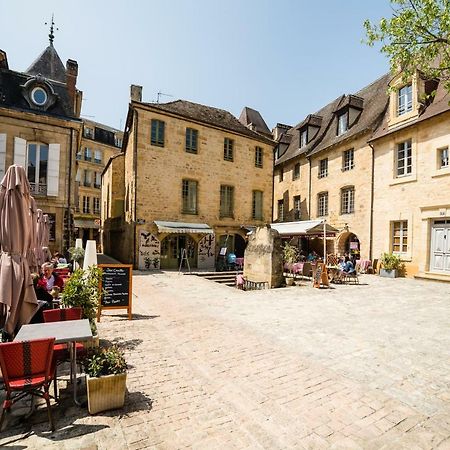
[[157, 175]]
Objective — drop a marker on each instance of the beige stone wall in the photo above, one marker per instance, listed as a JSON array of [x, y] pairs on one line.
[[47, 130], [419, 198]]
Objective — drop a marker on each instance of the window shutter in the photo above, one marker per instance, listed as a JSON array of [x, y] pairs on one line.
[[2, 154], [53, 170], [20, 152]]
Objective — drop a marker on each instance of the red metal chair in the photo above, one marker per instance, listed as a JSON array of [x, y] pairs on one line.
[[28, 369]]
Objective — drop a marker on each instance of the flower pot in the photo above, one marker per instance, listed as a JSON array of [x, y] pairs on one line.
[[289, 281], [105, 393], [388, 273], [94, 342]]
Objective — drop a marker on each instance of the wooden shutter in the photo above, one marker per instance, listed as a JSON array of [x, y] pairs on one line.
[[53, 170], [20, 152], [2, 154]]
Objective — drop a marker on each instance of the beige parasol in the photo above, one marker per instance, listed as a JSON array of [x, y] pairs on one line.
[[16, 287]]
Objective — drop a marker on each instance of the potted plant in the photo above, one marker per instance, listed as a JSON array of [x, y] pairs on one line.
[[290, 256], [391, 264], [77, 255], [106, 376], [82, 289]]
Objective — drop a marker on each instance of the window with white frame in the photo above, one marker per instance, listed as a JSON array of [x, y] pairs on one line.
[[296, 172], [348, 200], [87, 178], [400, 236], [226, 201], [303, 138], [322, 204], [443, 158], [342, 123], [280, 210], [228, 145], [88, 132], [96, 205], [86, 204], [98, 180], [37, 166], [87, 154], [404, 158], [258, 157], [348, 160], [323, 168], [98, 156], [404, 100], [189, 196], [257, 205], [297, 208]]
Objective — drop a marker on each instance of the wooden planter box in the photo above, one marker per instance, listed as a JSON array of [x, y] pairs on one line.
[[95, 342], [388, 273], [105, 393]]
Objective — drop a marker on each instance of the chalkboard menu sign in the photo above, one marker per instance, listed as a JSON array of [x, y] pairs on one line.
[[116, 284], [320, 275]]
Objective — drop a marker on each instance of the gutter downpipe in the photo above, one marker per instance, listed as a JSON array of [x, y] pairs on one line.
[[372, 191], [135, 132], [69, 212], [273, 182]]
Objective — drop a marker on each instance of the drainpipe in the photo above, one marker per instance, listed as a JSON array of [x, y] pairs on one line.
[[273, 184], [69, 214], [135, 131], [372, 190]]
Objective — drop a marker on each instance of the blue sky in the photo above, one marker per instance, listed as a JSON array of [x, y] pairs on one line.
[[284, 58]]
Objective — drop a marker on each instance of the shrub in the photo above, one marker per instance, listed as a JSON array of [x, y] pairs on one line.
[[105, 361], [391, 261], [290, 253]]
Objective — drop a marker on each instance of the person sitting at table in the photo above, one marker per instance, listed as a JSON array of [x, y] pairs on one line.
[[312, 256], [48, 280], [58, 259]]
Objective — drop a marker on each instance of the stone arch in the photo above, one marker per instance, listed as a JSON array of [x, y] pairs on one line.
[[342, 243]]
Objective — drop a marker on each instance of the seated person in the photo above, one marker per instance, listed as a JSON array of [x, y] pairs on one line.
[[58, 259], [48, 280], [349, 267]]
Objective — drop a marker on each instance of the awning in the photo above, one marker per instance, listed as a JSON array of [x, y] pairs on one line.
[[86, 223], [183, 227], [309, 228]]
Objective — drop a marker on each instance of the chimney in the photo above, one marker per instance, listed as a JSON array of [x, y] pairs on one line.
[[135, 93], [71, 81], [3, 60]]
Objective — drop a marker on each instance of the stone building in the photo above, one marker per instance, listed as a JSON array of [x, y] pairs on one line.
[[97, 144], [190, 178], [40, 130]]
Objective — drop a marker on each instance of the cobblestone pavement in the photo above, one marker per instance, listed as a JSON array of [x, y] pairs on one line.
[[354, 367]]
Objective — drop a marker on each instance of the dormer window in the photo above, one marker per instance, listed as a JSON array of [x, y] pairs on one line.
[[342, 123], [404, 100], [303, 137], [39, 96]]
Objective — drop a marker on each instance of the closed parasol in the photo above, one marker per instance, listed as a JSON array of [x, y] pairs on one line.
[[17, 295]]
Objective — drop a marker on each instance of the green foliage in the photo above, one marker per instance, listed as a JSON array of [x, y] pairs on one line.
[[105, 361], [391, 261], [290, 253], [83, 289], [77, 254], [416, 37]]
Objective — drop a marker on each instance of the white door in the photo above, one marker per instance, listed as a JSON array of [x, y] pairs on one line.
[[440, 246]]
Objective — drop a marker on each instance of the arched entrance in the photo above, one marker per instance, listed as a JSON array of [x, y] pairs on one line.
[[348, 242], [172, 248], [234, 243]]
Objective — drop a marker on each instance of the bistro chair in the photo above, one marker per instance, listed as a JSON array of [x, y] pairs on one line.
[[28, 369]]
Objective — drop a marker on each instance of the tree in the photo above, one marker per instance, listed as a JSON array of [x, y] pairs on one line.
[[416, 37]]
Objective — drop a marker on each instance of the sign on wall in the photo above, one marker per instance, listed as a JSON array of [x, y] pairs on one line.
[[149, 251], [206, 249]]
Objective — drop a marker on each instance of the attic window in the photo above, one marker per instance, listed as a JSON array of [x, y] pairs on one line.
[[342, 123], [39, 96], [404, 100], [303, 138]]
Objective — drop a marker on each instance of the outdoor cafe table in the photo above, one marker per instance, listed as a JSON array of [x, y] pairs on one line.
[[67, 331]]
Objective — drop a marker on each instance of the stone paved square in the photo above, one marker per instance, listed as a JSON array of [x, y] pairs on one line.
[[353, 367]]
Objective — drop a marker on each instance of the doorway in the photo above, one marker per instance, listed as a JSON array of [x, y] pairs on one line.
[[440, 247], [172, 250]]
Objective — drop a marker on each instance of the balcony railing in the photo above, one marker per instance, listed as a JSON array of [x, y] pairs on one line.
[[38, 189]]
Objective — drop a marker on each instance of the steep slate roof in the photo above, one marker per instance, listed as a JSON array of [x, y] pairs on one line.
[[49, 65], [208, 115], [375, 100], [250, 116]]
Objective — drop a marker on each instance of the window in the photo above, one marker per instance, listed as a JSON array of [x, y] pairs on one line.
[[98, 180], [39, 96], [342, 123], [118, 141], [280, 175], [257, 205], [96, 205], [348, 160], [98, 156], [323, 168], [157, 133], [404, 100], [191, 140], [400, 236], [86, 204], [297, 208], [37, 167], [87, 178], [348, 200], [322, 204], [226, 201], [404, 159], [87, 154], [189, 197], [296, 172], [303, 138], [88, 132], [258, 157], [228, 149], [443, 157], [280, 210]]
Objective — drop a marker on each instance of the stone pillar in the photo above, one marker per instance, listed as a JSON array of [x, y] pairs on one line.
[[263, 257]]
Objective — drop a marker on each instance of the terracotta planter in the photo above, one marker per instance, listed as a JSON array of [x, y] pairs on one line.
[[105, 393]]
